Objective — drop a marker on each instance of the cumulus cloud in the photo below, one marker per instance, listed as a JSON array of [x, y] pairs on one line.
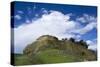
[[92, 44], [87, 28], [44, 11], [54, 23], [20, 12], [91, 22], [18, 17], [86, 19], [27, 21]]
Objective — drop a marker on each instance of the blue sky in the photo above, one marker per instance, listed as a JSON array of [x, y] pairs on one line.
[[32, 20]]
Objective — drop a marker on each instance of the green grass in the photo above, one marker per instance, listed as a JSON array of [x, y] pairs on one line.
[[45, 57], [55, 56], [21, 59]]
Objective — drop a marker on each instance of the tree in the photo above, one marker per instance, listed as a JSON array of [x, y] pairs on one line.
[[72, 39], [64, 39], [83, 43]]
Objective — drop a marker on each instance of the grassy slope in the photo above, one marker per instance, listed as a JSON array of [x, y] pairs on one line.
[[48, 50], [45, 57], [21, 59], [55, 56]]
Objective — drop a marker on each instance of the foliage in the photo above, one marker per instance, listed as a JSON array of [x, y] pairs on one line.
[[72, 39], [83, 43]]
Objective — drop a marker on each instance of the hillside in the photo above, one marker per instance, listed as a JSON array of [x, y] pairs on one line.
[[49, 49]]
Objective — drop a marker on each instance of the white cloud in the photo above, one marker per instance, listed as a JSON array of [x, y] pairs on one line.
[[90, 21], [89, 42], [93, 47], [86, 19], [28, 21], [55, 23], [18, 17], [87, 28], [44, 11], [92, 44], [81, 19], [20, 12]]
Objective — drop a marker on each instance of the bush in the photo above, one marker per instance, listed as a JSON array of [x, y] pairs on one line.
[[83, 43], [72, 39]]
